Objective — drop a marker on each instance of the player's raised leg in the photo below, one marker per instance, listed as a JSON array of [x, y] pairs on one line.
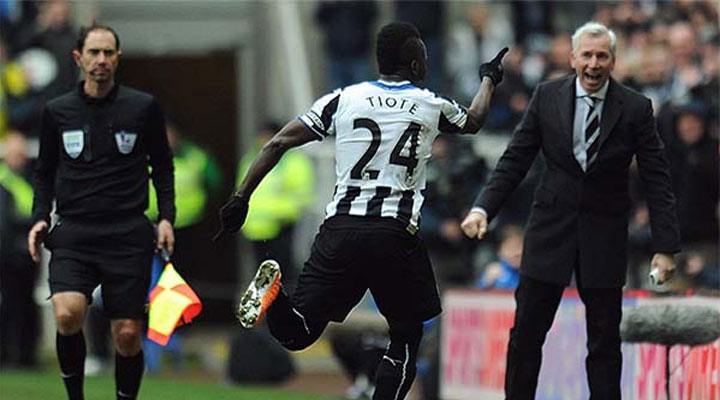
[[260, 295], [287, 323]]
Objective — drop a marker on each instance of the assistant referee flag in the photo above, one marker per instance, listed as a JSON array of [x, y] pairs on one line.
[[172, 303]]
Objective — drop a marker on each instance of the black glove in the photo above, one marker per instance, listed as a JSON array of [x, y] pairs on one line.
[[232, 216], [493, 69]]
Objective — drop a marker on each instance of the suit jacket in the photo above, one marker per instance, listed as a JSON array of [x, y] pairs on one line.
[[579, 219]]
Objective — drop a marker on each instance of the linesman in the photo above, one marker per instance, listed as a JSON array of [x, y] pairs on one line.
[[96, 144]]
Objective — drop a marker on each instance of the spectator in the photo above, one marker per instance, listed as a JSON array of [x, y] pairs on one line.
[[54, 32], [687, 73], [454, 175], [428, 16], [478, 37], [652, 77], [694, 169], [512, 97], [707, 92], [348, 27], [699, 271], [503, 273], [557, 65], [13, 89], [532, 22], [42, 47], [19, 325], [197, 180], [16, 17]]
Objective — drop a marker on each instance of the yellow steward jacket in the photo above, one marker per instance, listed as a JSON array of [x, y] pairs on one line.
[[281, 197]]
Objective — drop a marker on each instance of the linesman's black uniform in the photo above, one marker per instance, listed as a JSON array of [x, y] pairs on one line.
[[94, 158]]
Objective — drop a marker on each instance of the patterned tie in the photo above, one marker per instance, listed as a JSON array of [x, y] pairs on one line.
[[592, 127]]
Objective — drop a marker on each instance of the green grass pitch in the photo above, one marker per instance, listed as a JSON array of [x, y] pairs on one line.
[[20, 385]]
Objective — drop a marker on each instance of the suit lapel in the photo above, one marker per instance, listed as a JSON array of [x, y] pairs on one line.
[[566, 110], [565, 105]]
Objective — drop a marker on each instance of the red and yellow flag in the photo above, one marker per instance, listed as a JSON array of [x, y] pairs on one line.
[[172, 303]]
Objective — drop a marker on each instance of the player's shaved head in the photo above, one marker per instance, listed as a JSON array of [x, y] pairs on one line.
[[398, 44]]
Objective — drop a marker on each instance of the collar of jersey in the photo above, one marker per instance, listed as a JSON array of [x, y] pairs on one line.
[[94, 100], [387, 85]]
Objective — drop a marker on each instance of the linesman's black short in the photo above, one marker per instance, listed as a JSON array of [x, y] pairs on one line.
[[352, 254], [115, 253]]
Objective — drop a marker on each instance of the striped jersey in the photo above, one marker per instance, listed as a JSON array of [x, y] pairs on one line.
[[383, 137]]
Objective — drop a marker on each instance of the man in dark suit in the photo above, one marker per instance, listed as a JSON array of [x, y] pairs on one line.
[[589, 128]]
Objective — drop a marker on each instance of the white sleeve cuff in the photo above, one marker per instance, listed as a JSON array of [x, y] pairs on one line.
[[479, 210]]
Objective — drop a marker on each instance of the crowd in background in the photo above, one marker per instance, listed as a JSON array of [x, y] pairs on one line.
[[667, 50], [36, 41]]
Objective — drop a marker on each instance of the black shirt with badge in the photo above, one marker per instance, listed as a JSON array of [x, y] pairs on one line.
[[95, 153]]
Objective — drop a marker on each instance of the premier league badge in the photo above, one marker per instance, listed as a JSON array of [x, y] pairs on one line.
[[125, 141], [73, 141]]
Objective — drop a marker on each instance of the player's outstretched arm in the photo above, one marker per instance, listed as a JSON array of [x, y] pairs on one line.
[[293, 134], [491, 74], [234, 212]]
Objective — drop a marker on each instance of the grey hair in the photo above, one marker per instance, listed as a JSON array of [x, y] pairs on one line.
[[594, 29]]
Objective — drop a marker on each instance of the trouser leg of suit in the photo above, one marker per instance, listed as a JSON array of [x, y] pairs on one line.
[[536, 304], [603, 310]]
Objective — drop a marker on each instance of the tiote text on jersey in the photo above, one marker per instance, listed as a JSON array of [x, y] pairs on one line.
[[384, 133]]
